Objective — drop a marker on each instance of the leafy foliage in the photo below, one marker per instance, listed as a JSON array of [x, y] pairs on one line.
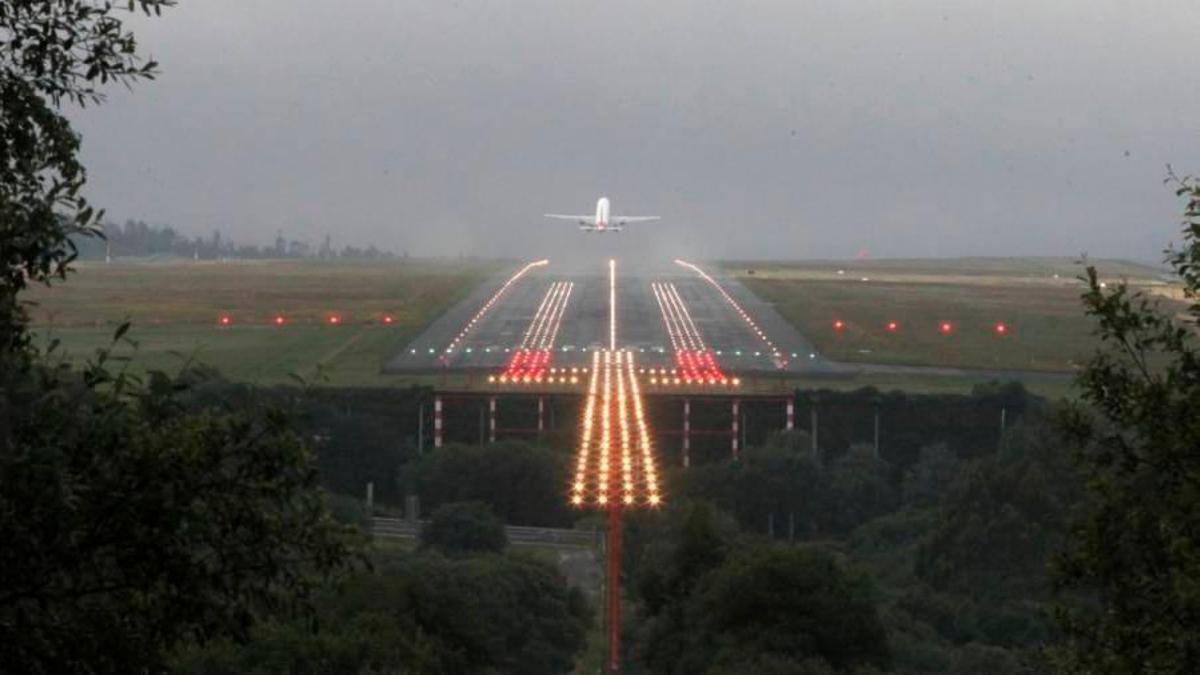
[[424, 614], [1002, 518], [51, 51], [956, 542], [712, 600], [767, 482], [523, 483], [1137, 546], [791, 601], [131, 524], [780, 485], [861, 487], [464, 527], [926, 481]]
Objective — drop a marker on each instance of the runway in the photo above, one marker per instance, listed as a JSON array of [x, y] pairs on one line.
[[556, 318]]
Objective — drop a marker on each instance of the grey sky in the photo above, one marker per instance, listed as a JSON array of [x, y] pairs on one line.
[[756, 129]]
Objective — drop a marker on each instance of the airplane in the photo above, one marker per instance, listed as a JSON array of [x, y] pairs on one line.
[[602, 222]]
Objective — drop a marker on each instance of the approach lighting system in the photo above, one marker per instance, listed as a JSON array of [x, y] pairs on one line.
[[615, 465], [695, 363], [530, 361], [488, 305], [612, 305], [778, 355]]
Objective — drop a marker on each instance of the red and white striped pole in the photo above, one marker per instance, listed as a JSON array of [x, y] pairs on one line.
[[492, 419], [734, 443], [541, 415], [437, 421], [687, 432]]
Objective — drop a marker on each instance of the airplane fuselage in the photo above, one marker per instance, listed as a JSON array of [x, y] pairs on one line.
[[601, 222]]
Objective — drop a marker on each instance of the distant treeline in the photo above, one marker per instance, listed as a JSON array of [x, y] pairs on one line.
[[138, 239]]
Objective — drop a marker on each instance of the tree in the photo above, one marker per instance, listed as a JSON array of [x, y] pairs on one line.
[[861, 487], [694, 540], [523, 483], [1136, 547], [51, 51], [776, 482], [926, 481], [791, 602], [422, 614], [129, 523], [711, 600], [1002, 518], [464, 527], [983, 561]]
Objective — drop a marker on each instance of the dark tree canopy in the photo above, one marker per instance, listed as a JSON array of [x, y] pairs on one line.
[[712, 600], [130, 522], [793, 602], [464, 527], [522, 482], [423, 614], [1137, 545]]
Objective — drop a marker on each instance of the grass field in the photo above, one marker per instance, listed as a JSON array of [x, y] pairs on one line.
[[1037, 300], [176, 310]]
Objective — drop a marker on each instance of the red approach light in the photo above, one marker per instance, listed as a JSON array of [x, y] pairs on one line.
[[893, 326], [279, 320], [839, 324], [225, 320], [946, 327], [1001, 328], [387, 319], [335, 320]]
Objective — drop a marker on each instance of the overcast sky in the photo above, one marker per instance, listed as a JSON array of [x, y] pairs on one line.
[[818, 128]]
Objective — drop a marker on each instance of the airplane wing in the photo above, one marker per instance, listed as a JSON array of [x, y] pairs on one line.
[[563, 216], [634, 219]]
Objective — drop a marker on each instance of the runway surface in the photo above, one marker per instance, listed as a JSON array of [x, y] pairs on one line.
[[556, 318]]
